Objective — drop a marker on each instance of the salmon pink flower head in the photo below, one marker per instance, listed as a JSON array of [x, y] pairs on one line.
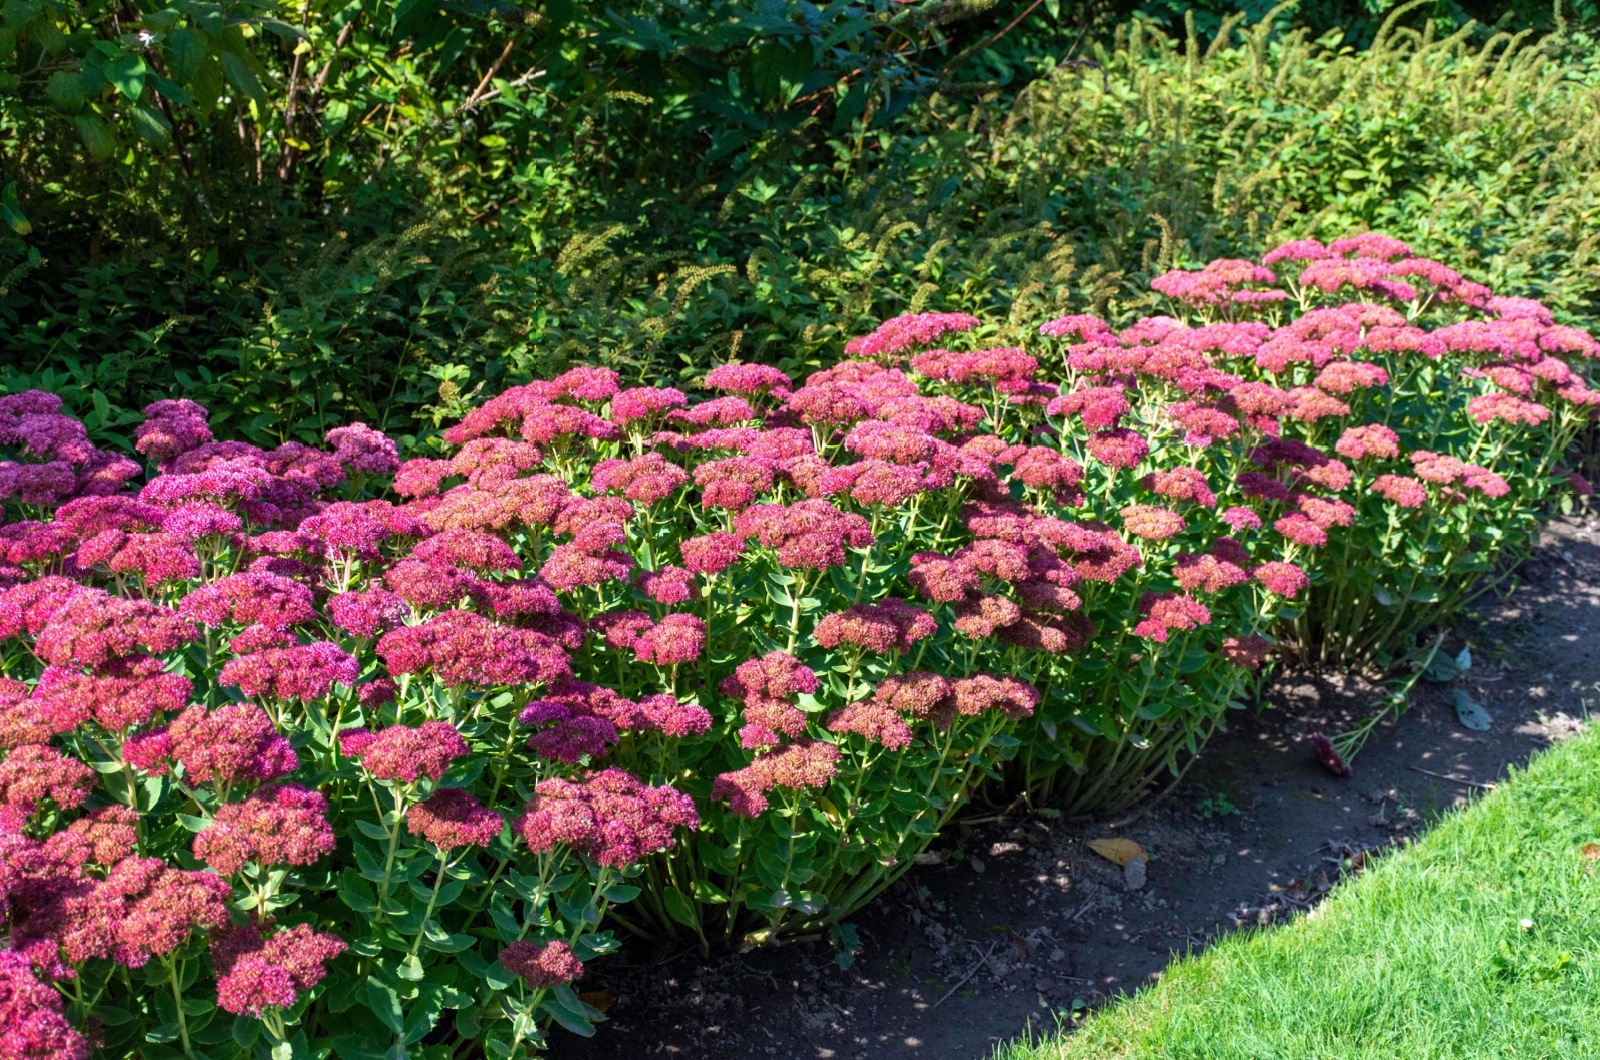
[[1284, 579], [1049, 470], [145, 909], [101, 837], [1151, 522], [542, 965], [1300, 529], [1219, 282], [981, 693], [1368, 441], [277, 824], [406, 754], [1207, 573], [898, 334], [573, 565], [794, 766], [768, 687], [1365, 273], [1297, 250], [1054, 634], [716, 413], [669, 585], [1182, 484], [1401, 490], [873, 720], [1506, 408], [609, 816], [256, 973], [983, 616], [942, 579], [452, 818], [1370, 245], [305, 672], [1083, 327], [1168, 612], [462, 648]]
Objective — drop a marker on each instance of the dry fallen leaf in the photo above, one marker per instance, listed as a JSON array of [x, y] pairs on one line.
[[1118, 851], [598, 999], [1592, 851]]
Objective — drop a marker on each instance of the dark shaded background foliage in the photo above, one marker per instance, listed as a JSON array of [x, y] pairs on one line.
[[309, 211]]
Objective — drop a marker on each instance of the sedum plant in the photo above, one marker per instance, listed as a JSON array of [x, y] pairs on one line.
[[310, 749]]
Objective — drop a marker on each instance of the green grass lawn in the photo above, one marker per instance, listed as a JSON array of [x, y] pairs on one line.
[[1430, 953]]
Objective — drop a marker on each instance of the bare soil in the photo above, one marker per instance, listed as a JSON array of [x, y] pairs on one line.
[[1020, 925]]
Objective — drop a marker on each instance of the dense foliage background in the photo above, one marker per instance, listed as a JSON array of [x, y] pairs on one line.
[[301, 213]]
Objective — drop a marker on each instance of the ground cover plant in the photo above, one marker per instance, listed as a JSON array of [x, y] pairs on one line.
[[1475, 942], [310, 747]]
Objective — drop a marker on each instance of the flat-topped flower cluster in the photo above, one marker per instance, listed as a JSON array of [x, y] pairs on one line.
[[313, 747]]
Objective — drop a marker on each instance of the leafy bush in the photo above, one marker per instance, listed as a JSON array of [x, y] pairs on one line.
[[487, 249]]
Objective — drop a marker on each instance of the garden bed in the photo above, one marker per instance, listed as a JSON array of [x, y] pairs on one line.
[[1085, 938]]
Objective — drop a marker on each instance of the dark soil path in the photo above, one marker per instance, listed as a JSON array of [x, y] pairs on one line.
[[1041, 928]]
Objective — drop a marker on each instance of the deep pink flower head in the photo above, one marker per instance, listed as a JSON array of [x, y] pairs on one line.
[[542, 964], [408, 754], [677, 638], [755, 379], [171, 428], [367, 613], [34, 772], [472, 549], [711, 553], [609, 816], [452, 818], [363, 451], [255, 974], [669, 585], [234, 743], [808, 534], [795, 766], [249, 599], [126, 693], [278, 824], [897, 335], [645, 403], [568, 729], [305, 672], [1118, 447], [91, 628], [30, 1012], [101, 837], [462, 648], [647, 479]]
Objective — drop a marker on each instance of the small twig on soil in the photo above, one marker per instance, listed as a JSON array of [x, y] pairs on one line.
[[1455, 780], [963, 980]]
